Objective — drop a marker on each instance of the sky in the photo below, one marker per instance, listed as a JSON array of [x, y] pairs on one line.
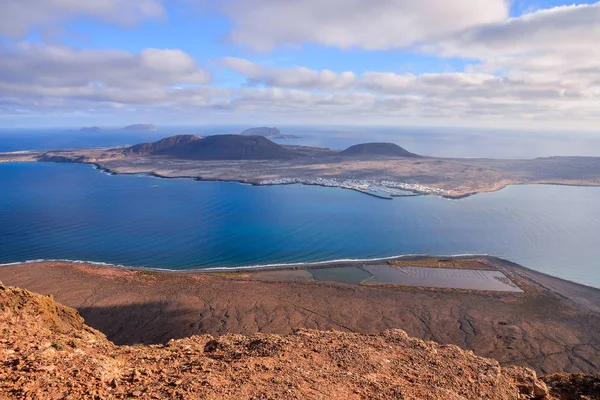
[[485, 63]]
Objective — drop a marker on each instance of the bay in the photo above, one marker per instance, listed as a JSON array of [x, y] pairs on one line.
[[71, 211]]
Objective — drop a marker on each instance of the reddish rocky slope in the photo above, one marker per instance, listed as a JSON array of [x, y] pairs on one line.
[[46, 351]]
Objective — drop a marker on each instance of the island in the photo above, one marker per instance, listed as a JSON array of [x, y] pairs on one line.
[[91, 129], [128, 128], [383, 170], [271, 133]]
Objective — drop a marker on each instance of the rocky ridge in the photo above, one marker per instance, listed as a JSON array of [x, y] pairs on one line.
[[161, 145], [48, 352], [217, 147]]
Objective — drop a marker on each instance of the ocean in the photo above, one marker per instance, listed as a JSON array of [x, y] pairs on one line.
[[63, 211], [72, 211]]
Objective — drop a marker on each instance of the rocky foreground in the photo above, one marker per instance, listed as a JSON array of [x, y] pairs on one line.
[[46, 351]]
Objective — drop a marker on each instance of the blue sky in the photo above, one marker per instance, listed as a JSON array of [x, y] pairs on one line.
[[389, 62]]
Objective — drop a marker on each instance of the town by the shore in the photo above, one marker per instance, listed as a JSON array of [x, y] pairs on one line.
[[380, 175]]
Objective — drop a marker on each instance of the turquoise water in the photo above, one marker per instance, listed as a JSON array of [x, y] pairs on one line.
[[70, 211]]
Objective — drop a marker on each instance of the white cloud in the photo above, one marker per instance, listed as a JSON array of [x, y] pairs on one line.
[[170, 82], [455, 84], [459, 95], [540, 67], [368, 24], [560, 42], [18, 17], [298, 77], [49, 78], [65, 67], [544, 65], [562, 29]]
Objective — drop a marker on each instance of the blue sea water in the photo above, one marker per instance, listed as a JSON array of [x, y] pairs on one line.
[[70, 211]]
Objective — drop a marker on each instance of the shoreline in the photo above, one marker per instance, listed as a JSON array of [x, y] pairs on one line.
[[452, 183], [241, 182], [414, 193], [492, 261]]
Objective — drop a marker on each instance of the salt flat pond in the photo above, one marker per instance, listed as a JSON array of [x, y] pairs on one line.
[[441, 278], [70, 211], [449, 278]]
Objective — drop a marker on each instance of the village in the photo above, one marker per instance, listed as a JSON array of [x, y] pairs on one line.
[[382, 189]]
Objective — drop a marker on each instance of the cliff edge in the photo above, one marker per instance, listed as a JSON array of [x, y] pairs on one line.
[[47, 351]]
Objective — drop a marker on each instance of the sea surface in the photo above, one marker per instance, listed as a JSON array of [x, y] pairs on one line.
[[71, 211]]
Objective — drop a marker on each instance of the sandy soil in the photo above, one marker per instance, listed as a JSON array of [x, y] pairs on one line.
[[47, 352], [553, 326]]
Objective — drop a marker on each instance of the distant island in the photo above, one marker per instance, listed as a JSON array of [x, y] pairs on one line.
[[90, 129], [128, 128], [271, 133], [384, 170]]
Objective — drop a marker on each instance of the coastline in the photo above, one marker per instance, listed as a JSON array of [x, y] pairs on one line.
[[108, 171], [492, 261], [414, 193], [448, 178], [242, 182]]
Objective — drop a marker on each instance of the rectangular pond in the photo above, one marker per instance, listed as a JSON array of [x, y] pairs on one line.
[[350, 274], [441, 278]]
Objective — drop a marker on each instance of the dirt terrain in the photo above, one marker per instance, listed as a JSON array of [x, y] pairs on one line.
[[47, 352], [456, 177], [554, 330]]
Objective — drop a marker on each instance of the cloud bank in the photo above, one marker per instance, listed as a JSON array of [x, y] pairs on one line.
[[18, 17], [540, 67], [368, 24]]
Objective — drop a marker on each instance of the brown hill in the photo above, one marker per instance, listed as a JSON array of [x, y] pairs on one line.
[[377, 149], [228, 147], [47, 352], [161, 145]]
